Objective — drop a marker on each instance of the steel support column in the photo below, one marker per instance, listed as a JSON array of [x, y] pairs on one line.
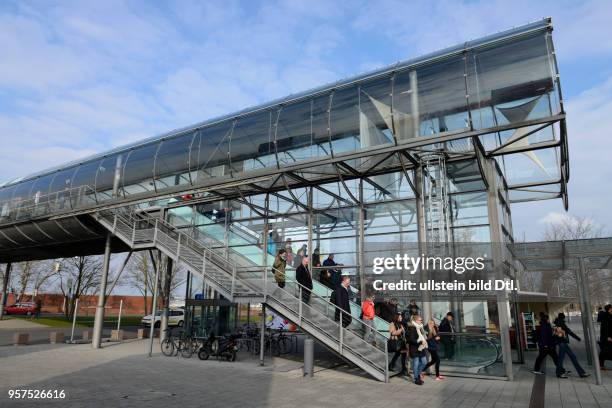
[[5, 281], [503, 303], [154, 306], [99, 319], [587, 318], [167, 279], [262, 335], [422, 236]]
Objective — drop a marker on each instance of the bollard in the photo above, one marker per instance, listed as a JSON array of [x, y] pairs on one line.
[[86, 335], [56, 337], [116, 335], [21, 339], [142, 334], [308, 357]]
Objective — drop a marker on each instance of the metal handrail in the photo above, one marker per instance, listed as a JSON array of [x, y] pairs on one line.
[[132, 222], [334, 307], [341, 328]]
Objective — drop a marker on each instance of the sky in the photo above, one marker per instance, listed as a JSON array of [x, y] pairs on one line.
[[78, 78]]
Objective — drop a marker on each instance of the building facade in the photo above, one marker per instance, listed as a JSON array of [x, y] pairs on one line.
[[431, 151]]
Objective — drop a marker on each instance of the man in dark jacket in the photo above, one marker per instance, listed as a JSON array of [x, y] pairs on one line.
[[335, 275], [340, 297], [304, 278], [447, 328], [605, 337], [564, 348], [546, 347]]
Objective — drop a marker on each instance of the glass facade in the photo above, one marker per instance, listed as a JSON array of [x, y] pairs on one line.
[[431, 151], [499, 81]]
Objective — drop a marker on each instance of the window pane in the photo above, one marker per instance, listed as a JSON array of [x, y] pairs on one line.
[[5, 202], [441, 97], [209, 152], [60, 190], [345, 120], [294, 136], [172, 162], [105, 176], [83, 183], [375, 124], [252, 143], [469, 209], [510, 82], [138, 170]]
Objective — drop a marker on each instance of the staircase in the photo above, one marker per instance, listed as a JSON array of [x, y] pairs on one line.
[[254, 284]]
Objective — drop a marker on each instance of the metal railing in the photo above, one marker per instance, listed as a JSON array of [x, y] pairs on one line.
[[45, 204], [359, 338]]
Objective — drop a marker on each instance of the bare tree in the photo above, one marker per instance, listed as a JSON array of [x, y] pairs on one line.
[[44, 272], [24, 275], [141, 275], [567, 228], [78, 276], [32, 275]]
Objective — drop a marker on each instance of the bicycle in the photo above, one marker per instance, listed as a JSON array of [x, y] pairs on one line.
[[184, 344]]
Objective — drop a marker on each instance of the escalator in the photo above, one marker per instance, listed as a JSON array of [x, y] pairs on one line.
[[244, 248], [253, 284]]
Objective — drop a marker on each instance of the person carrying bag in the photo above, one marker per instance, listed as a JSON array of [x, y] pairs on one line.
[[397, 343]]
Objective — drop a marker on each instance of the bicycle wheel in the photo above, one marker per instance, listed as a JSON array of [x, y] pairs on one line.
[[284, 345], [187, 348], [203, 354], [167, 347]]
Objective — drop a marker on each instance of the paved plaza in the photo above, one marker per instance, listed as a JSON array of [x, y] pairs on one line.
[[120, 375]]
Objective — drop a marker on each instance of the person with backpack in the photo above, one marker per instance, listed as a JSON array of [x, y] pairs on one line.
[[562, 338]]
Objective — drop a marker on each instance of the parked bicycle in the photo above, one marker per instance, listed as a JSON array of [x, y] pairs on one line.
[[184, 344]]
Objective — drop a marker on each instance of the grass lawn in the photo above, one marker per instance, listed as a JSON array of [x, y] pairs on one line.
[[84, 321]]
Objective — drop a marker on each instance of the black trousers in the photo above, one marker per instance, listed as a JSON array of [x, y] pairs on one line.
[[403, 360], [546, 351], [435, 359], [305, 296]]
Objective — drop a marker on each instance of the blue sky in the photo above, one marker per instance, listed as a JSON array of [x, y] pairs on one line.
[[78, 78]]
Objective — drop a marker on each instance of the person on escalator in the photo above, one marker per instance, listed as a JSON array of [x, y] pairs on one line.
[[336, 276], [341, 298], [325, 278], [367, 312], [301, 254], [304, 278], [289, 251], [279, 265], [316, 258]]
